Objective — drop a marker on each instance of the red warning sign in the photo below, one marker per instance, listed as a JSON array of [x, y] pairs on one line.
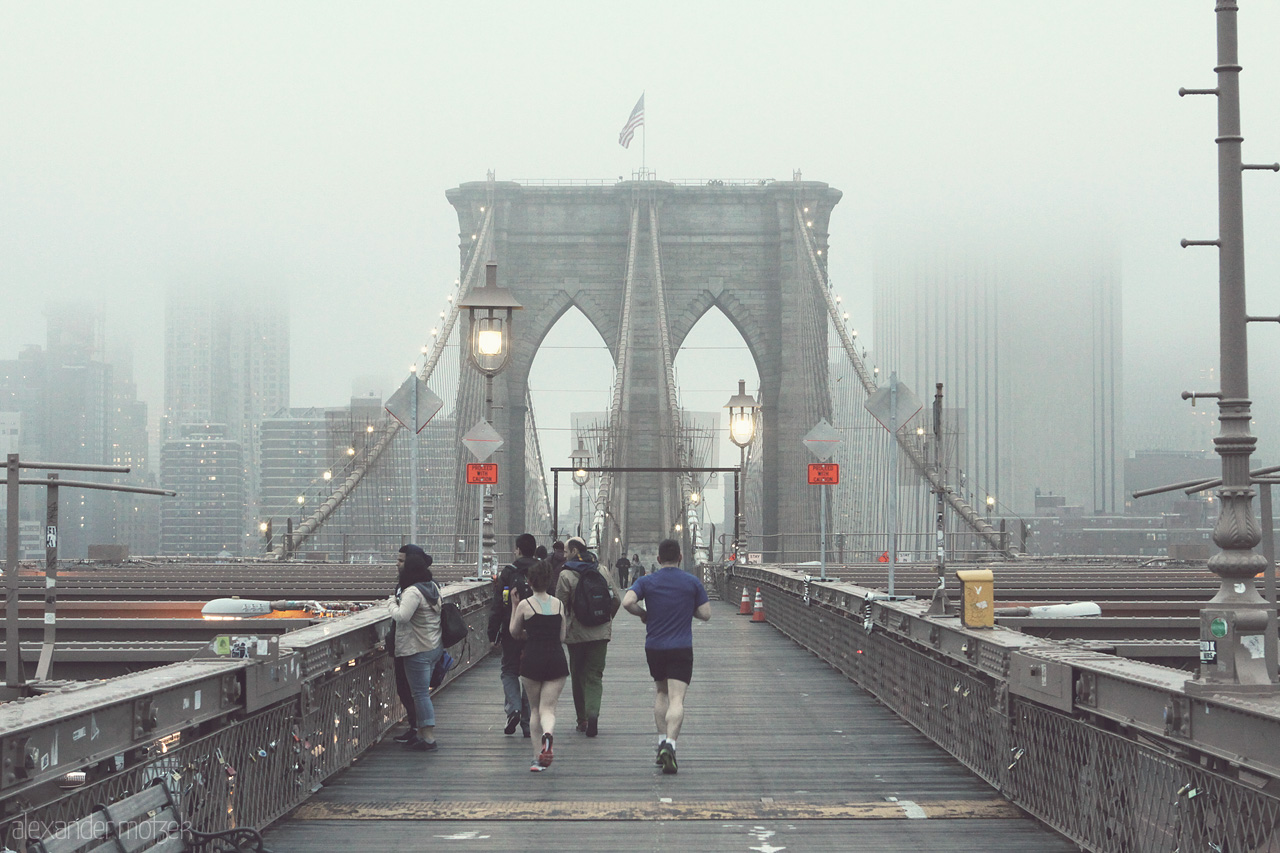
[[824, 473], [482, 473]]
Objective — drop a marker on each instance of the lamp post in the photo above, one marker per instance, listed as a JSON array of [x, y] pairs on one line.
[[489, 312], [742, 429], [580, 459], [694, 523]]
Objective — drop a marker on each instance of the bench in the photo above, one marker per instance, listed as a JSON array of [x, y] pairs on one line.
[[146, 821]]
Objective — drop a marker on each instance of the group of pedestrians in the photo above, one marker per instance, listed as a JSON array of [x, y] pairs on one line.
[[538, 606], [541, 608]]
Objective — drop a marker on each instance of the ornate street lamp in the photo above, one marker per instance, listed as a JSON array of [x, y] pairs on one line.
[[580, 459], [489, 311], [742, 430]]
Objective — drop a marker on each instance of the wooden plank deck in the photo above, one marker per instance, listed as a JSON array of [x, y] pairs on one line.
[[779, 752]]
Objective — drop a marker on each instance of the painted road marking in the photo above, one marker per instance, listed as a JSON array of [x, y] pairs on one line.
[[744, 810]]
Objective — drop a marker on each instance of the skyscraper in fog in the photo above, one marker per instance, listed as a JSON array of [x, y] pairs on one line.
[[1025, 338], [227, 363], [206, 469], [70, 402]]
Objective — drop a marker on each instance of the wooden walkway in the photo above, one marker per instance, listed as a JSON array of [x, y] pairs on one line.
[[779, 752]]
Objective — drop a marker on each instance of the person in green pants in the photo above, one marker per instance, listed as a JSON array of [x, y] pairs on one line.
[[588, 644]]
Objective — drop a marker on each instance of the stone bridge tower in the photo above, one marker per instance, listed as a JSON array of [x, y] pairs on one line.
[[735, 247]]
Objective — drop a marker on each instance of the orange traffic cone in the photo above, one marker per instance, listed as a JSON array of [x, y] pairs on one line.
[[744, 608], [757, 614]]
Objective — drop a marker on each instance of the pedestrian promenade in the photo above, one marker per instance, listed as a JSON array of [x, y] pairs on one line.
[[779, 752]]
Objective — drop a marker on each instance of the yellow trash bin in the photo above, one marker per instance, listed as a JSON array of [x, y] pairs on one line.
[[979, 598]]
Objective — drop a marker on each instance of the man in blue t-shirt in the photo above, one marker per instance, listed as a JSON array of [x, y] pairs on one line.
[[672, 598]]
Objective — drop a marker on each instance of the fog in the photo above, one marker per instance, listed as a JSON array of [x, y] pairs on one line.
[[303, 150]]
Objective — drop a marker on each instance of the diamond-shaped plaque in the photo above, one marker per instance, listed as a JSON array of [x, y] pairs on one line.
[[879, 404], [482, 440], [400, 405], [822, 440]]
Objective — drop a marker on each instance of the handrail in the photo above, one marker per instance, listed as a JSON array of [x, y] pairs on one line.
[[282, 704], [1036, 717]]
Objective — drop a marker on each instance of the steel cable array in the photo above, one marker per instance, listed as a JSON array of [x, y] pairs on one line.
[[962, 509], [326, 510]]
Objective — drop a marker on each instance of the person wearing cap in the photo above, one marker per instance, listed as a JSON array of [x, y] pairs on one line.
[[416, 611], [587, 644]]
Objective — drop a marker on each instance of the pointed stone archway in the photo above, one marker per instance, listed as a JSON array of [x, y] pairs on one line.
[[731, 246]]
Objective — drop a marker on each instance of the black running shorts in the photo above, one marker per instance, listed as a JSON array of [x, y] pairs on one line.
[[665, 664]]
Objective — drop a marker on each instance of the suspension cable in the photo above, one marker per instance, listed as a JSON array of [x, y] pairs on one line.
[[972, 519], [326, 510]]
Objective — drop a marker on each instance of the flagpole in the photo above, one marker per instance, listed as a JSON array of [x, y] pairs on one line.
[[644, 138]]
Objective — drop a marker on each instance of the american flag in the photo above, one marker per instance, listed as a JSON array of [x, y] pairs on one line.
[[636, 120]]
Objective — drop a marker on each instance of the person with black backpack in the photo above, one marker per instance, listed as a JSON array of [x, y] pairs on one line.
[[512, 584], [590, 600]]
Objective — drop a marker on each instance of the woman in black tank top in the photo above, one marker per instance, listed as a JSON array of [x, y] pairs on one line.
[[539, 621]]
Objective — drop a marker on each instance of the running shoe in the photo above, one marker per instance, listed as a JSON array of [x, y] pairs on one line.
[[422, 745], [667, 758], [544, 757], [406, 735], [513, 720], [536, 768]]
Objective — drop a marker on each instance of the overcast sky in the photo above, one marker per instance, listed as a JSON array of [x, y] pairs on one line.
[[305, 148]]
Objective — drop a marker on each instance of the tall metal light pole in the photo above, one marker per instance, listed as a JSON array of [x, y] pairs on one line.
[[414, 460], [489, 311], [742, 429], [938, 606], [1236, 621], [581, 460]]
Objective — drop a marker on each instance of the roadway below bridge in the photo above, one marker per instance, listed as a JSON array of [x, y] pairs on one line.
[[779, 752]]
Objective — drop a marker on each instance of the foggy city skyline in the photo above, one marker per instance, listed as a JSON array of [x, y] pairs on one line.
[[302, 152]]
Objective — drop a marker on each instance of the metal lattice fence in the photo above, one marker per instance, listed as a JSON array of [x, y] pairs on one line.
[[1108, 789]]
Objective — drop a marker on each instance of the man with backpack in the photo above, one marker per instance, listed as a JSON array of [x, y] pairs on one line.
[[511, 584], [590, 600]]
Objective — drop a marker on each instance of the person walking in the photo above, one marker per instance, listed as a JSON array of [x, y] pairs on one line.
[[557, 557], [588, 643], [624, 570], [538, 623], [636, 566], [416, 611], [672, 598], [513, 578]]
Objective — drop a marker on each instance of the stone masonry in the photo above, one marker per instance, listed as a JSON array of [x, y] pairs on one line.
[[730, 246]]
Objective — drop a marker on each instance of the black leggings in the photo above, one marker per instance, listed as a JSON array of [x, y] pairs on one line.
[[405, 694]]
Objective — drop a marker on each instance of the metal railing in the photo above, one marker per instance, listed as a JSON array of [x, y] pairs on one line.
[[648, 175], [1119, 756], [239, 741]]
